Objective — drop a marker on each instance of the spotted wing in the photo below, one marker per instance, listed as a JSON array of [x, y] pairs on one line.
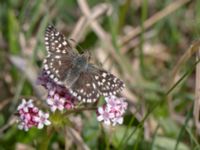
[[60, 55], [107, 83], [56, 42], [85, 89], [93, 83], [57, 67]]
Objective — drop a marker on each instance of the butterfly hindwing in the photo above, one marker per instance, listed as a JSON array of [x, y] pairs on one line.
[[95, 82], [85, 88], [107, 83]]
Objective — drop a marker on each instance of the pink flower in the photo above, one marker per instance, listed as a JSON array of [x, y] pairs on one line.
[[23, 126], [59, 96], [56, 103], [25, 105], [28, 116], [42, 119], [112, 111], [117, 120], [104, 115], [68, 105]]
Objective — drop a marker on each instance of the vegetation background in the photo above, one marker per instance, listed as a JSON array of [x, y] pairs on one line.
[[151, 44]]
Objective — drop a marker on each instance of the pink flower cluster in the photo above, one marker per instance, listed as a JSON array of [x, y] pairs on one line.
[[30, 116], [59, 97], [111, 113]]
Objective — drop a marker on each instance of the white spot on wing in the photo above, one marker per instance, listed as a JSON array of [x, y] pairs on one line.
[[81, 90], [104, 74], [59, 62], [57, 56], [96, 77], [74, 93], [94, 86], [57, 33], [89, 100], [46, 66], [64, 43], [55, 79], [51, 76], [88, 84]]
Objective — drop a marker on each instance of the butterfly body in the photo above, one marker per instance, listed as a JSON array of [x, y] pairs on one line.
[[79, 65], [73, 70]]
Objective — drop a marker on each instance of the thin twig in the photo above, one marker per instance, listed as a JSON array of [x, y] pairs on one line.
[[77, 138]]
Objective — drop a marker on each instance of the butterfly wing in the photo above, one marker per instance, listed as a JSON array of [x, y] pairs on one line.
[[60, 55], [84, 88], [57, 67], [95, 82], [107, 83], [56, 42]]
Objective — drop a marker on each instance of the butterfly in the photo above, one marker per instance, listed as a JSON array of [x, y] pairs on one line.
[[67, 67]]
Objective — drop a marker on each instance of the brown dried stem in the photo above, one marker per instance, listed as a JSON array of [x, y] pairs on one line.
[[196, 111]]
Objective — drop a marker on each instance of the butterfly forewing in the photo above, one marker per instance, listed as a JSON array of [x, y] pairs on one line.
[[60, 55], [57, 66], [56, 42]]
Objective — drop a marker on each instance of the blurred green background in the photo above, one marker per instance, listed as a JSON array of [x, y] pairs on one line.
[[144, 42]]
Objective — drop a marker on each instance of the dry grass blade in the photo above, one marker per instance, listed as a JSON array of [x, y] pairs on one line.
[[29, 71], [94, 24], [83, 22], [77, 139], [12, 120], [196, 111], [152, 20], [190, 51]]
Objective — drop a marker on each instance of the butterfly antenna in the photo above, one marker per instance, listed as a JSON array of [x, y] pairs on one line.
[[75, 43], [82, 50]]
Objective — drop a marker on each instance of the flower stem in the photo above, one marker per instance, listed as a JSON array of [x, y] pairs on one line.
[[81, 109], [46, 139]]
